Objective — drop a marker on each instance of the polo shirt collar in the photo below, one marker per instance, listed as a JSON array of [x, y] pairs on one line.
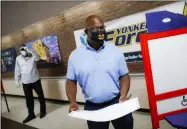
[[90, 48]]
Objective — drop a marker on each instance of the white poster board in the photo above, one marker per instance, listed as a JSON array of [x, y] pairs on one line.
[[169, 63]]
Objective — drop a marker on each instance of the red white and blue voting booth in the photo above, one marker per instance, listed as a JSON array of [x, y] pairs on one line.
[[164, 50]]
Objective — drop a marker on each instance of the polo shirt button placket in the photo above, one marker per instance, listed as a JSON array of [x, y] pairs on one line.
[[97, 57]]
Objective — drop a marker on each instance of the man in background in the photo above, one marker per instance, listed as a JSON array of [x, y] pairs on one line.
[[26, 72], [101, 70]]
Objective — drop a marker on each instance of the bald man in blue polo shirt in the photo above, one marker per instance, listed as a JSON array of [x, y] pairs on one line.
[[101, 70]]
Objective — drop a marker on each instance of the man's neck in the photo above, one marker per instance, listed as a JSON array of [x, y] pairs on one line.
[[94, 45]]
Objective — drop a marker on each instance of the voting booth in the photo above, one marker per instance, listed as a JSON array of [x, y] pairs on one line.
[[164, 50]]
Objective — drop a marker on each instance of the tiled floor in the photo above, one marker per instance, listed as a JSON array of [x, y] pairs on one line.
[[57, 117]]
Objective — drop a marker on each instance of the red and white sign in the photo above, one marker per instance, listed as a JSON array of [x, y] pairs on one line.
[[165, 64]]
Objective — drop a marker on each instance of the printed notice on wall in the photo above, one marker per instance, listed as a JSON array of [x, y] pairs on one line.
[[8, 58]]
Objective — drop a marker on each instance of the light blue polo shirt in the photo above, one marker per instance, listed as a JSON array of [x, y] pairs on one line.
[[97, 72]]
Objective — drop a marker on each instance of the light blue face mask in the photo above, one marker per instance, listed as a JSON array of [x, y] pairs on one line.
[[24, 53]]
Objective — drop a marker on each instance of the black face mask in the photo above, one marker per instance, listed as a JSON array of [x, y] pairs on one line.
[[98, 36]]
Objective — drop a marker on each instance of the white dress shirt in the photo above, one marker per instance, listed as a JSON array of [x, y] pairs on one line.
[[26, 69]]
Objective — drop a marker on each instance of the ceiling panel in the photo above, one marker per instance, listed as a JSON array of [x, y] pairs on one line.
[[19, 14]]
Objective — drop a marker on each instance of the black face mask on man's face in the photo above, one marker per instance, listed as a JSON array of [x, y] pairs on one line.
[[98, 36]]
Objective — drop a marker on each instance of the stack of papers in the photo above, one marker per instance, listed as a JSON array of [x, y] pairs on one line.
[[109, 113]]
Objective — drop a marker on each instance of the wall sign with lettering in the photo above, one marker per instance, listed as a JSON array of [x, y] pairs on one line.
[[125, 32], [8, 58]]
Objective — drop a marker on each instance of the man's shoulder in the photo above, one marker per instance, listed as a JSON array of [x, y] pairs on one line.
[[79, 49], [112, 47], [110, 44], [18, 57], [77, 52]]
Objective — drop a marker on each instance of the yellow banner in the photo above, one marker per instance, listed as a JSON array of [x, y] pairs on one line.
[[185, 9]]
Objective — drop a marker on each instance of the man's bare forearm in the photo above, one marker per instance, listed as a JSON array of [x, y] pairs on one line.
[[124, 85], [71, 90]]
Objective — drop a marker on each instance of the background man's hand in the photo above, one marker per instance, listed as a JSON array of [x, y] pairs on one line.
[[73, 107], [17, 84]]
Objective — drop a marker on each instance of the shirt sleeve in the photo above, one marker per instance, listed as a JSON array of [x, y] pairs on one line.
[[35, 55], [71, 70], [17, 73], [122, 65]]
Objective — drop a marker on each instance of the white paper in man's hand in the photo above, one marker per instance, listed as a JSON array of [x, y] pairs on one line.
[[109, 113]]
